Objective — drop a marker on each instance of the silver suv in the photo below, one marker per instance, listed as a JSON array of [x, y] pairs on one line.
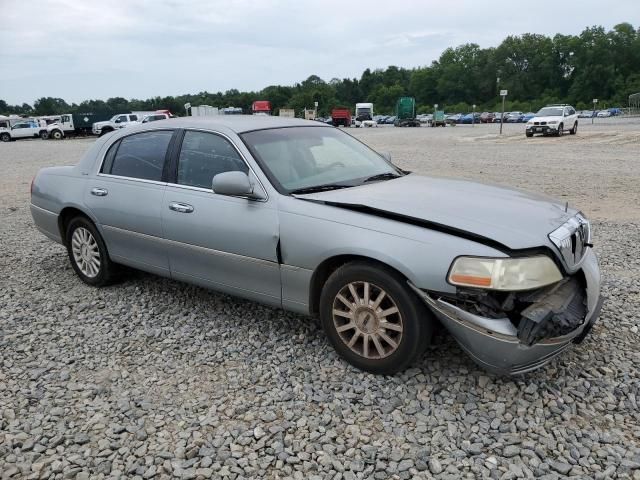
[[553, 120]]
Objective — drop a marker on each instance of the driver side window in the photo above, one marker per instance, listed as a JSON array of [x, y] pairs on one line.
[[138, 156]]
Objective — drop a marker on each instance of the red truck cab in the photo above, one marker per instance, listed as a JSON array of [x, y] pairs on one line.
[[261, 107], [341, 116]]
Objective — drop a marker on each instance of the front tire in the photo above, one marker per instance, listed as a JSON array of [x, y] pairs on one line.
[[373, 319], [44, 135], [574, 130], [529, 134], [5, 137], [57, 135], [88, 254], [560, 131]]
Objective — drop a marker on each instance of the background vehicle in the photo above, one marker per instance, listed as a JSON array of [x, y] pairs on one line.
[[25, 129], [364, 111], [497, 118], [68, 124], [287, 112], [528, 116], [470, 118], [604, 114], [588, 113], [553, 120], [261, 107], [406, 113], [453, 119], [355, 122], [204, 111], [341, 116], [117, 121], [487, 117], [439, 119], [514, 117], [380, 119], [155, 117], [390, 120]]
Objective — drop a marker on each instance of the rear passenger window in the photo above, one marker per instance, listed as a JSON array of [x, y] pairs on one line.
[[204, 155], [139, 156]]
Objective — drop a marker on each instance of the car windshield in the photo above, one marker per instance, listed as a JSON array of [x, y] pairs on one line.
[[306, 157], [550, 112]]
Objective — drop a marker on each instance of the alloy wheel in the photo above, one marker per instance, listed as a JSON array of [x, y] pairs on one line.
[[367, 320], [86, 252]]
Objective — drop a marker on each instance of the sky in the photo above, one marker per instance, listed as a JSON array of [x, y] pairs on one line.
[[86, 49]]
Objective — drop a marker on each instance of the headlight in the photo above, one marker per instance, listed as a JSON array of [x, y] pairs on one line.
[[553, 122], [504, 273], [530, 122]]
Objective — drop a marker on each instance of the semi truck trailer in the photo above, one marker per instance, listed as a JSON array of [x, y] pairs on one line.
[[341, 116]]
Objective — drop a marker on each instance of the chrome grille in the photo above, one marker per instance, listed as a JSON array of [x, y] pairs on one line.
[[572, 239]]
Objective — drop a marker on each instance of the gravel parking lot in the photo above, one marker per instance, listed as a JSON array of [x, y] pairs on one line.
[[151, 378]]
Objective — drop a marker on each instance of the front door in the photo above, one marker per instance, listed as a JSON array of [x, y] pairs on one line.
[[126, 197], [222, 242]]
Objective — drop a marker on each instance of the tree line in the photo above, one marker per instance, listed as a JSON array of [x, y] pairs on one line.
[[535, 69]]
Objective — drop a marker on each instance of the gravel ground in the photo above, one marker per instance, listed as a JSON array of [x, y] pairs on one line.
[[155, 379]]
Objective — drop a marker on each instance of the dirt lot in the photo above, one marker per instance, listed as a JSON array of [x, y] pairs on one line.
[[152, 378]]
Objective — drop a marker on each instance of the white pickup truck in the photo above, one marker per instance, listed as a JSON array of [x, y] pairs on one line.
[[117, 121], [26, 129]]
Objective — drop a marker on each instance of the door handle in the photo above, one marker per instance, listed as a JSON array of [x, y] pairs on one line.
[[99, 192], [181, 207]]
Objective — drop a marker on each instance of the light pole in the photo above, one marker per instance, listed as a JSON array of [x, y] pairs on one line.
[[593, 114], [503, 94], [473, 115]]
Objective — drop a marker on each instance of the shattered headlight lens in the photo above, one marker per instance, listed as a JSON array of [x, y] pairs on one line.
[[507, 274]]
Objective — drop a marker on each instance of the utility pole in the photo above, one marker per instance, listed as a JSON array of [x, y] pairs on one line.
[[593, 114]]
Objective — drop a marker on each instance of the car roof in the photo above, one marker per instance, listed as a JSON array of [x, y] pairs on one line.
[[237, 123]]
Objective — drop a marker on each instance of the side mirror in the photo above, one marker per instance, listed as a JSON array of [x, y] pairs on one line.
[[234, 184]]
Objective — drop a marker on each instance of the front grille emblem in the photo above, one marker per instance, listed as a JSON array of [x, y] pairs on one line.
[[572, 239]]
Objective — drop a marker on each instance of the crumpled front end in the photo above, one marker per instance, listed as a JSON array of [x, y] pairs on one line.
[[517, 332]]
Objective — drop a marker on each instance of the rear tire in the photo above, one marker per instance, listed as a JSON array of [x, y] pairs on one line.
[[44, 135], [381, 326], [5, 137], [574, 130], [88, 253]]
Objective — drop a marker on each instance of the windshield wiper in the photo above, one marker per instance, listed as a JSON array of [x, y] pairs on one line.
[[381, 176], [319, 188]]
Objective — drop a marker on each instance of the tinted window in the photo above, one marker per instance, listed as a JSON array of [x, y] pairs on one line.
[[139, 156], [133, 118], [203, 156]]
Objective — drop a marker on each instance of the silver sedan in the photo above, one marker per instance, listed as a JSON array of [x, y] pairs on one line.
[[302, 216]]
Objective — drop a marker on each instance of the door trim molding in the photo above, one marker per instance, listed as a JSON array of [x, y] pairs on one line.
[[210, 251]]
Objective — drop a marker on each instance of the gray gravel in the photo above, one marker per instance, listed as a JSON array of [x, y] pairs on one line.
[[156, 379]]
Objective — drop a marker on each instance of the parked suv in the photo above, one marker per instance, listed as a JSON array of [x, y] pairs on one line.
[[553, 120], [117, 121], [26, 129]]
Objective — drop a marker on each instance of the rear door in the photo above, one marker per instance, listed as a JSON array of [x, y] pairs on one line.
[[126, 196], [223, 242]]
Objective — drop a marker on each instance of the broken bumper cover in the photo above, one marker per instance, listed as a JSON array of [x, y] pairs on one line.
[[494, 343]]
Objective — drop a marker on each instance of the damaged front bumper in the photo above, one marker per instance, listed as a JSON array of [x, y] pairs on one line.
[[551, 322]]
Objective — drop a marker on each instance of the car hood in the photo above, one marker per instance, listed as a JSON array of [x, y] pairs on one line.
[[546, 119], [490, 214], [102, 124]]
